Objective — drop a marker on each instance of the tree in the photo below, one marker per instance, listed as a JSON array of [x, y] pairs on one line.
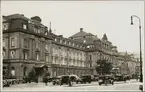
[[103, 67]]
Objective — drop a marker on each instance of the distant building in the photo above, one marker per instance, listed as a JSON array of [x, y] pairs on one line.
[[28, 44]]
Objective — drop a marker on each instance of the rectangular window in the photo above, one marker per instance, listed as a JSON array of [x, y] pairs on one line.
[[24, 26], [90, 57], [12, 42], [5, 26], [46, 46], [26, 43], [25, 55], [37, 56], [37, 45], [47, 58], [4, 43]]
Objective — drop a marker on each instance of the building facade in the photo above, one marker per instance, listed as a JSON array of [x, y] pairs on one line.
[[28, 44]]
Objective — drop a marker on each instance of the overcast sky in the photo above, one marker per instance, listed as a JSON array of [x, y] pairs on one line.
[[110, 17]]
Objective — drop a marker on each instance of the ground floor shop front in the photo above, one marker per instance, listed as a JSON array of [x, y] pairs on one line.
[[22, 69]]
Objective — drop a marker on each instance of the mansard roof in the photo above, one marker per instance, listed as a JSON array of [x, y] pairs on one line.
[[15, 16], [35, 20]]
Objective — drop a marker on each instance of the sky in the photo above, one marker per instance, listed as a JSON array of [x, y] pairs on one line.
[[97, 17]]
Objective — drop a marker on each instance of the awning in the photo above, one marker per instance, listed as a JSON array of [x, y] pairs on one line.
[[40, 66]]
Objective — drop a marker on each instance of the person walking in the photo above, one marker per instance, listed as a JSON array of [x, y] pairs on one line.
[[46, 77]]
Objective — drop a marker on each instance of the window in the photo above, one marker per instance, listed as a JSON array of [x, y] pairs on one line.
[[90, 57], [37, 45], [37, 56], [24, 26], [60, 41], [26, 43], [46, 33], [5, 26], [4, 43], [25, 55], [46, 46], [35, 30], [47, 58], [55, 39], [12, 54], [12, 42], [39, 31]]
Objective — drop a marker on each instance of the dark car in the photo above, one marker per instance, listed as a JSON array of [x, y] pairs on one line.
[[96, 77], [69, 79], [56, 80], [86, 78], [30, 79], [106, 79], [127, 77], [120, 78], [6, 83]]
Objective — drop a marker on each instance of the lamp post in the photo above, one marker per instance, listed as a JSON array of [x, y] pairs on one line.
[[141, 75]]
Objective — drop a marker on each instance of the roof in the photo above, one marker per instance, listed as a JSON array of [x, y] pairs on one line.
[[15, 16], [81, 33], [21, 16]]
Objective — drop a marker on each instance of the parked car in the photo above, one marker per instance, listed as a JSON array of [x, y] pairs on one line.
[[56, 80], [6, 83], [86, 78], [96, 77], [120, 77], [127, 77], [106, 79], [30, 79], [69, 79]]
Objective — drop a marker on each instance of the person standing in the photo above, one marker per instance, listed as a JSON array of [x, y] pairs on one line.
[[46, 76]]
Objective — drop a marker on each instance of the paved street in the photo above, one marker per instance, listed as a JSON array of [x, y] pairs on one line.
[[129, 85]]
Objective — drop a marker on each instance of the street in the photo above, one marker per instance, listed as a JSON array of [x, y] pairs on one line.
[[132, 85]]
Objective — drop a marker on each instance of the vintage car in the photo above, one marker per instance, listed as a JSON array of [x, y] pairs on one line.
[[69, 79], [96, 77], [127, 77], [120, 77], [56, 80], [30, 79], [106, 79], [6, 83], [86, 78]]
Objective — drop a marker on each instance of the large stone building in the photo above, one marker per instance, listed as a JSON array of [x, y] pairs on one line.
[[28, 44]]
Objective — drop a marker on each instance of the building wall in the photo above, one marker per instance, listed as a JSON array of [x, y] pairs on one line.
[[32, 46]]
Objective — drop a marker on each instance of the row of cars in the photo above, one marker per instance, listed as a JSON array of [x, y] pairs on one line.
[[10, 80], [102, 79], [65, 79]]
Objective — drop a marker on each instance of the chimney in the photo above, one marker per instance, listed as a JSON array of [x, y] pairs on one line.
[[81, 29]]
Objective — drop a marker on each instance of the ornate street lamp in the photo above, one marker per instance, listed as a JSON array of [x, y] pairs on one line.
[[141, 75]]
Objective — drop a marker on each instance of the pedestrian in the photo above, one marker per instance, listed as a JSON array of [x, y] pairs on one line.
[[45, 80], [46, 77]]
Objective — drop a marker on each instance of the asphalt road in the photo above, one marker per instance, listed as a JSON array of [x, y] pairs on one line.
[[132, 85]]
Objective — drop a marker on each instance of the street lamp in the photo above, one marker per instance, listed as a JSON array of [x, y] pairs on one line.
[[141, 75]]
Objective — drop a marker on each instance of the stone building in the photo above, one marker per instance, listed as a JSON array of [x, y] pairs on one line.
[[28, 44]]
